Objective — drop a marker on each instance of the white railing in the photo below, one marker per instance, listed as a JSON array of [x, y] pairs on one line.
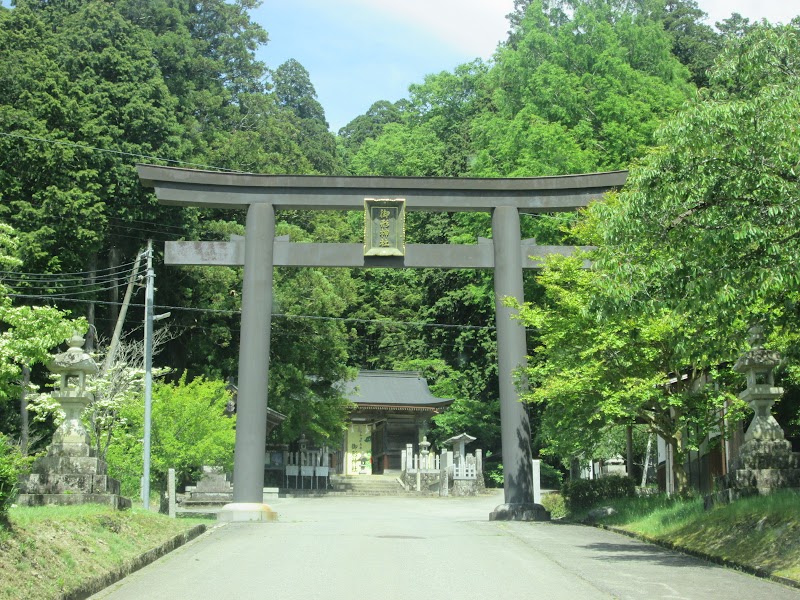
[[307, 464], [424, 463], [467, 470]]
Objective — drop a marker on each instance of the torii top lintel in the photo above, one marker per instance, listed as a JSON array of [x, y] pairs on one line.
[[211, 189]]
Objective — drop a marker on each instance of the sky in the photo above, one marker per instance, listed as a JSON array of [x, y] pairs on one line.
[[360, 51]]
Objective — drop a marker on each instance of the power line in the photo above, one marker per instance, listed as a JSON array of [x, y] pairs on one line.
[[118, 152], [383, 322], [78, 275], [87, 282], [178, 227]]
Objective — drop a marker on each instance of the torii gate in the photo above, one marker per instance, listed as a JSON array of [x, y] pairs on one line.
[[260, 251]]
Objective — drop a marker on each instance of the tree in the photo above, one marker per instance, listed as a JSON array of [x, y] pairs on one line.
[[27, 335], [400, 151], [694, 43], [76, 81], [370, 125], [707, 221], [596, 76], [594, 369], [295, 93], [190, 428]]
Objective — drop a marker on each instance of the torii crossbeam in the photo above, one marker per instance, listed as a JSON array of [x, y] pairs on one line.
[[506, 253]]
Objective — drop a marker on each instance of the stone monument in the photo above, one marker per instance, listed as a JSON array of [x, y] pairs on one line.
[[766, 462], [213, 489], [71, 473]]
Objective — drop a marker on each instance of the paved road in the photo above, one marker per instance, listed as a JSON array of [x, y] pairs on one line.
[[405, 549]]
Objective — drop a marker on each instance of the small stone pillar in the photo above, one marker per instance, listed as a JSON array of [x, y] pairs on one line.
[[766, 462], [444, 473], [71, 473]]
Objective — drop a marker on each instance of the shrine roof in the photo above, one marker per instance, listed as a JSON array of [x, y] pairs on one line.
[[404, 390]]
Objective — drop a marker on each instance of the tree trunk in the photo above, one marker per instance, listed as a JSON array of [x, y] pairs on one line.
[[646, 466], [678, 456], [574, 468], [629, 450], [90, 280], [24, 428]]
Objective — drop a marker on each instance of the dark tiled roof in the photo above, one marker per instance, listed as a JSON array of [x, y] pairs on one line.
[[407, 389]]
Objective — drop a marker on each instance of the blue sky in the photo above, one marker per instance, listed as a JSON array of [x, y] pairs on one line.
[[361, 51]]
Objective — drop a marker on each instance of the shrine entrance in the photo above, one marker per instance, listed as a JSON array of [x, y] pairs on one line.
[[385, 201]]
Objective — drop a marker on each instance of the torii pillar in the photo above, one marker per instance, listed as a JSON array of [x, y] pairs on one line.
[[506, 253]]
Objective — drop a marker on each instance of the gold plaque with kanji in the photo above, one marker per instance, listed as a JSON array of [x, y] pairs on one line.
[[384, 227]]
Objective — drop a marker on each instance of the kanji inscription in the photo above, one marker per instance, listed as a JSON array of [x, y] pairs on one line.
[[384, 227]]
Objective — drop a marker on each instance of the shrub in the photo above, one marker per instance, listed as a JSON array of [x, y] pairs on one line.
[[584, 493], [554, 504], [11, 467]]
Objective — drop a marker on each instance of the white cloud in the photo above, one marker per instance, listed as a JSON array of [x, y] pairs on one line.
[[774, 11], [473, 27]]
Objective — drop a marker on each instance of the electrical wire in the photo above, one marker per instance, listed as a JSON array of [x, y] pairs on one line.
[[383, 322], [82, 274], [65, 283], [117, 152]]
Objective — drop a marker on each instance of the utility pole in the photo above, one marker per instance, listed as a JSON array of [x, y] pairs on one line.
[[112, 347], [148, 375]]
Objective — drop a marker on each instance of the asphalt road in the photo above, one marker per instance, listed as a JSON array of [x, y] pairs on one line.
[[409, 548]]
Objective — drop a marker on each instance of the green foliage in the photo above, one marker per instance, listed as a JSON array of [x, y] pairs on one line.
[[706, 222], [596, 368], [582, 494], [400, 151], [550, 477], [27, 335], [694, 43], [189, 429], [82, 77], [12, 465], [588, 84], [554, 504]]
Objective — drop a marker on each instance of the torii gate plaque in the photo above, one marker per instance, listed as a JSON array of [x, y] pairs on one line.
[[260, 251]]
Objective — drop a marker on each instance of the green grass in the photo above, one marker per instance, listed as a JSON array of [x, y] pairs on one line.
[[47, 551], [760, 532]]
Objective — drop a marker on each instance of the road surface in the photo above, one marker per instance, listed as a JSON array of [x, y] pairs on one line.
[[389, 548]]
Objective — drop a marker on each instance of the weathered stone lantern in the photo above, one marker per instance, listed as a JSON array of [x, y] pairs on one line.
[[424, 446], [73, 366], [766, 462], [71, 473], [760, 394]]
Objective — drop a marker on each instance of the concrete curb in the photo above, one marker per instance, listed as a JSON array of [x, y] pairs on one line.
[[101, 582], [757, 571]]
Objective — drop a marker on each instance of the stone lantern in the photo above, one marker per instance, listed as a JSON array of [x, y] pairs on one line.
[[765, 462], [71, 473], [424, 451], [760, 394], [73, 366]]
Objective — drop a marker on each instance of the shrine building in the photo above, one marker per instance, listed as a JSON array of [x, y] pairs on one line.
[[393, 408]]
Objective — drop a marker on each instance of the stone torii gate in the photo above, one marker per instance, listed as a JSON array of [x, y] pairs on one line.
[[385, 200]]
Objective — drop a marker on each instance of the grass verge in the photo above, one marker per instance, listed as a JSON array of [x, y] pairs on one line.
[[51, 551], [761, 532]]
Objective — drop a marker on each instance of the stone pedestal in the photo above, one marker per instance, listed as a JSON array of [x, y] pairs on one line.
[[247, 512], [213, 489], [70, 473], [761, 468], [519, 512]]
